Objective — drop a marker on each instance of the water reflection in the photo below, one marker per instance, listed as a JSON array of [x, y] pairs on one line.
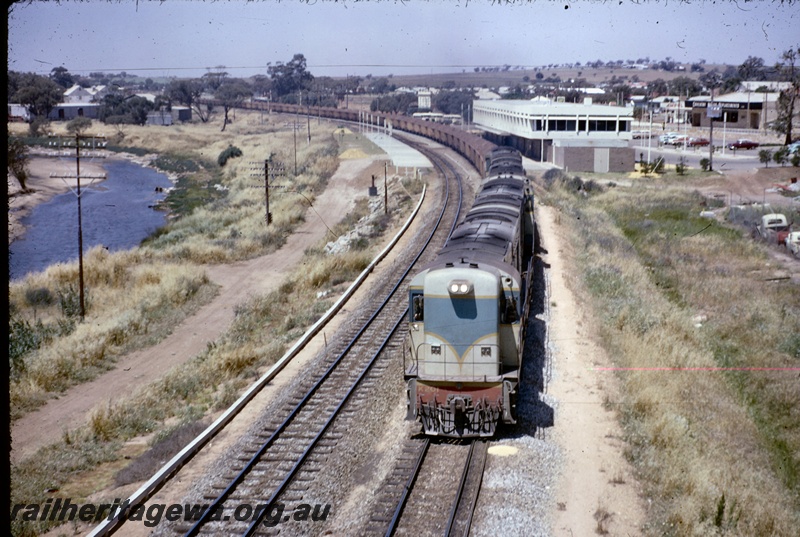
[[117, 213]]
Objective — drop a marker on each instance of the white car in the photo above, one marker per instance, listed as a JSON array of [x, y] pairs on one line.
[[793, 148], [666, 138], [793, 243]]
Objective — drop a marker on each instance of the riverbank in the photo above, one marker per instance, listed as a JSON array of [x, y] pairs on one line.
[[42, 187]]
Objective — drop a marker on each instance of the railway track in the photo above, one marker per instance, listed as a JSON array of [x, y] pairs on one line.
[[281, 459], [280, 469], [432, 490]]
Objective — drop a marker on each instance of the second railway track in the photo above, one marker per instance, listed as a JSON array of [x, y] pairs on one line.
[[279, 460]]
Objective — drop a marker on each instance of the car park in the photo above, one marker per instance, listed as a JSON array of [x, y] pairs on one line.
[[743, 144]]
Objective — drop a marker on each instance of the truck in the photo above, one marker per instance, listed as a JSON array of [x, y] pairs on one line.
[[793, 243], [773, 228]]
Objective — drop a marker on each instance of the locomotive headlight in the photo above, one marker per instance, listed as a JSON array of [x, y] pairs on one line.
[[459, 287]]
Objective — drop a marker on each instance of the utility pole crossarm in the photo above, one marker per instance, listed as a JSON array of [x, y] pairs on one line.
[[80, 140]]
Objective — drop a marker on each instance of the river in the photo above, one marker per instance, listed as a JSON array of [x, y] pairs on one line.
[[116, 213]]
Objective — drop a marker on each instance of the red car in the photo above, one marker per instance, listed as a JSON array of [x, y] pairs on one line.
[[743, 144], [696, 142]]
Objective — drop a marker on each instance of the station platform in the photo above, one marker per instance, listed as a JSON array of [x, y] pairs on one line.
[[401, 155]]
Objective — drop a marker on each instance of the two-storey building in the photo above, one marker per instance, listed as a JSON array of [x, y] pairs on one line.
[[574, 136]]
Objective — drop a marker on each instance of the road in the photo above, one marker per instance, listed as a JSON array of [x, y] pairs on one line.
[[723, 160]]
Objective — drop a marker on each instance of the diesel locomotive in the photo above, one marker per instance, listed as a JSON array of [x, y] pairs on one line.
[[468, 310]]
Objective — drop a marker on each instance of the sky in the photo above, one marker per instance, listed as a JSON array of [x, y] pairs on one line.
[[186, 38]]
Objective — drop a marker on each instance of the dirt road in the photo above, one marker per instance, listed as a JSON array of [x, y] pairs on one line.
[[238, 281]]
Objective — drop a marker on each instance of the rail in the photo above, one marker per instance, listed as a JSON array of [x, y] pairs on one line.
[[239, 478], [185, 455]]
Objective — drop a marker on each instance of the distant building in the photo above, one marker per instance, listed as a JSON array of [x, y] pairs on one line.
[[740, 110], [424, 100], [18, 112], [436, 117], [78, 94], [168, 117], [577, 137], [148, 96], [753, 85], [68, 111], [181, 113], [485, 94], [672, 106], [159, 117]]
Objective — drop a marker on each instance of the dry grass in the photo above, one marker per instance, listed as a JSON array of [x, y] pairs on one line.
[[696, 434], [132, 296], [150, 277], [128, 296]]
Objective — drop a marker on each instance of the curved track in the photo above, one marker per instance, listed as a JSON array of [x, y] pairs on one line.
[[284, 456]]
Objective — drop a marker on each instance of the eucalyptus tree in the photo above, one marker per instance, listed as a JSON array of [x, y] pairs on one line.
[[788, 71], [187, 93], [232, 93]]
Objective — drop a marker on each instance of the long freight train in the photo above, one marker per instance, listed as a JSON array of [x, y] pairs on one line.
[[472, 147], [468, 311]]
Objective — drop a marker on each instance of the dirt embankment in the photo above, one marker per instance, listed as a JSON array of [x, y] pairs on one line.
[[237, 280]]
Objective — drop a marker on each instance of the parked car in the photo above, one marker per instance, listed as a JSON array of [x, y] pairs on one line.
[[774, 228], [665, 138], [793, 148], [677, 140], [698, 142], [793, 243], [743, 144]]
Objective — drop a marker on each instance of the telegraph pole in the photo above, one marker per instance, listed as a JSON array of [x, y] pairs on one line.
[[277, 169], [385, 189], [80, 139], [712, 113]]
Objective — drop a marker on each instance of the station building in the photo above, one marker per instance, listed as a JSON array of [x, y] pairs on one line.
[[580, 137]]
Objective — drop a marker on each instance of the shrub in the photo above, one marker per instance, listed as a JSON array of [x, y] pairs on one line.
[[78, 125], [765, 155], [704, 164], [781, 156], [231, 152], [680, 167], [70, 301], [38, 126]]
